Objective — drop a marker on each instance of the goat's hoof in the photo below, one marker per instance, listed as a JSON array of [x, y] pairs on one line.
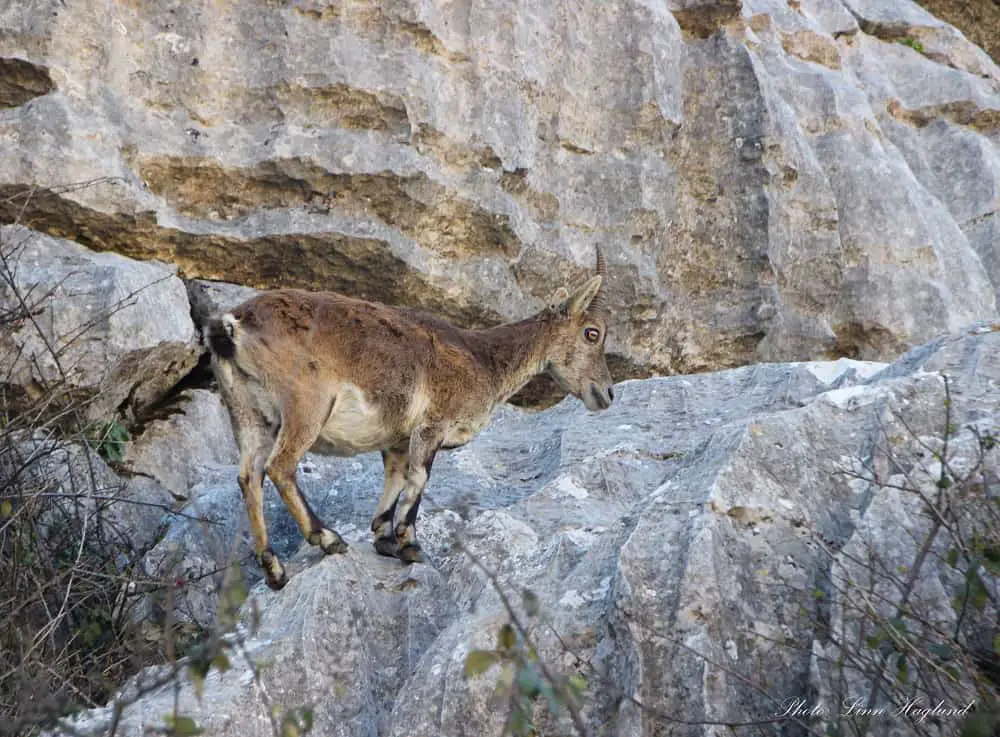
[[338, 547], [411, 553], [329, 541], [386, 546], [274, 572], [276, 584]]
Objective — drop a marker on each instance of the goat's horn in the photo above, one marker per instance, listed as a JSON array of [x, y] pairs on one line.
[[597, 303]]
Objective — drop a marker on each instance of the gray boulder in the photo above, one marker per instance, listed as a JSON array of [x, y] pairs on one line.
[[92, 321], [172, 450]]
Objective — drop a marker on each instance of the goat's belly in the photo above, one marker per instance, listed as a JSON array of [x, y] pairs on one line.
[[353, 427], [459, 433]]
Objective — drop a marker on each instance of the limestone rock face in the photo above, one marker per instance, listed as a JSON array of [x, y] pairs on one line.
[[676, 543], [173, 449], [92, 321], [769, 180]]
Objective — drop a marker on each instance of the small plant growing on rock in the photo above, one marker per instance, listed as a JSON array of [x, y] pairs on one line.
[[109, 440], [902, 651], [913, 44], [523, 681], [525, 678]]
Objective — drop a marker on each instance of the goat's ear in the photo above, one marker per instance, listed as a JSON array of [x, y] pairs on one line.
[[582, 297], [558, 299]]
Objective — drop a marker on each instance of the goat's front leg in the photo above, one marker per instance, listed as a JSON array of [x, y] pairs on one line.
[[394, 466], [424, 444], [251, 479]]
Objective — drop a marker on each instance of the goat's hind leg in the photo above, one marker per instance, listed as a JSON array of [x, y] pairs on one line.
[[300, 427], [255, 437], [255, 444]]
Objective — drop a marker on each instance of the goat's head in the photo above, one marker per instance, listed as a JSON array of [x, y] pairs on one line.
[[576, 356]]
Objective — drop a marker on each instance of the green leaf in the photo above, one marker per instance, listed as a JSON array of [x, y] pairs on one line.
[[181, 726], [941, 650], [551, 699], [578, 684], [529, 682], [520, 724], [918, 47], [902, 670], [296, 722], [991, 559], [898, 624], [506, 679], [197, 681], [221, 662], [952, 557], [478, 662], [977, 593], [6, 508], [531, 604], [507, 638], [996, 644]]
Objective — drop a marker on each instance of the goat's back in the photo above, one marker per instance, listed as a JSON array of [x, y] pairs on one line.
[[299, 340]]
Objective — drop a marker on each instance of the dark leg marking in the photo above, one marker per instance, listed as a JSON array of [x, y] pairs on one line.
[[385, 543], [394, 464], [411, 552]]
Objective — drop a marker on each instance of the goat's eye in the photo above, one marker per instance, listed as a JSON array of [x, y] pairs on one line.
[[592, 334]]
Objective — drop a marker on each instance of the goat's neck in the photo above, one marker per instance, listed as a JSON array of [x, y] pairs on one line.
[[515, 353]]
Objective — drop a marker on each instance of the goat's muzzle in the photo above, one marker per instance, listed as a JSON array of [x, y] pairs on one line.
[[598, 398]]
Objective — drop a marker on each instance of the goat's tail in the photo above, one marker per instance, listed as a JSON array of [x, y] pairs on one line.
[[219, 332]]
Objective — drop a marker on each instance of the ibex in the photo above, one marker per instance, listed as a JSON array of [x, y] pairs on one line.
[[321, 371]]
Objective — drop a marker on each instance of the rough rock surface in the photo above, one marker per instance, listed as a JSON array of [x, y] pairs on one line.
[[98, 321], [675, 542], [770, 180], [979, 21], [172, 450], [83, 488]]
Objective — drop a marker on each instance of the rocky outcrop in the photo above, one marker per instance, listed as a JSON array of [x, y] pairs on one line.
[[117, 330], [689, 548], [173, 449], [770, 181], [977, 20]]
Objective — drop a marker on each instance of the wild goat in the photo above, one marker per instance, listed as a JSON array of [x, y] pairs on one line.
[[341, 376]]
